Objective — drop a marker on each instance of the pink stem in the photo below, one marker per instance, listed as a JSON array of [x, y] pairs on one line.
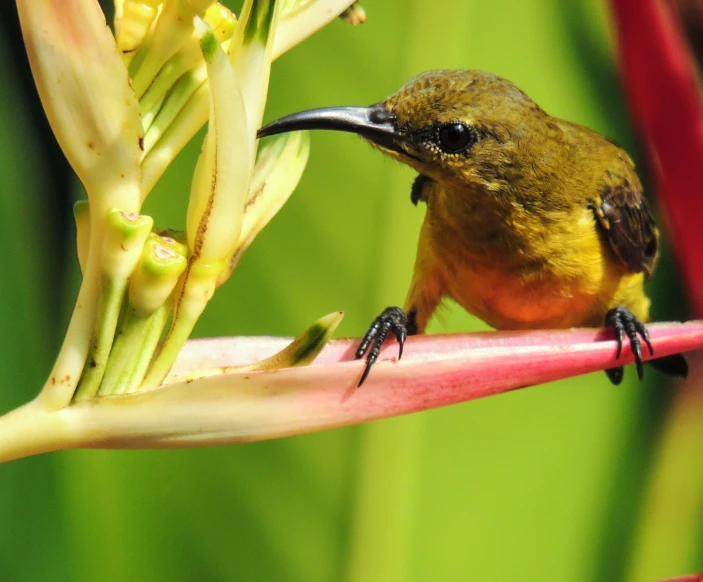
[[435, 371]]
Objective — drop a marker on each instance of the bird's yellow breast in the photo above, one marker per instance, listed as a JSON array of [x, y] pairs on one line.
[[517, 270]]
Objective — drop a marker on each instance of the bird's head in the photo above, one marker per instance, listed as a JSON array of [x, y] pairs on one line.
[[453, 126]]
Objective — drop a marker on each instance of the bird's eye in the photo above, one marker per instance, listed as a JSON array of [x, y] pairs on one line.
[[456, 137]]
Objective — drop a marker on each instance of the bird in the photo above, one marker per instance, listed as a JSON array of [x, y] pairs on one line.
[[532, 222]]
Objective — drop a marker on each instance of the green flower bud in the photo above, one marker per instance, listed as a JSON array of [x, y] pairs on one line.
[[155, 277], [125, 235], [176, 240]]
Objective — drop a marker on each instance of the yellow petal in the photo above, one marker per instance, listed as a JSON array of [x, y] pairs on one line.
[[278, 171], [222, 174], [303, 19], [251, 55]]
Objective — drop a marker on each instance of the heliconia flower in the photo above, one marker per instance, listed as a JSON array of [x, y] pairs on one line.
[[116, 392], [90, 86]]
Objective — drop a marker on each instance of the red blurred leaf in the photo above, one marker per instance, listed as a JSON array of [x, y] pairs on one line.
[[660, 79]]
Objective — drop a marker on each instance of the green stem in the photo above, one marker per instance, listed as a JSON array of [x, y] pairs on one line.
[[174, 104], [61, 385], [128, 344], [177, 66], [140, 365], [185, 316], [172, 138], [106, 324]]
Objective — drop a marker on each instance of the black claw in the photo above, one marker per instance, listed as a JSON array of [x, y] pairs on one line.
[[393, 319], [639, 366], [402, 336], [366, 340], [619, 329], [367, 369], [623, 322], [644, 332]]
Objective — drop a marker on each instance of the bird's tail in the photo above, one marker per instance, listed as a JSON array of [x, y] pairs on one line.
[[673, 365]]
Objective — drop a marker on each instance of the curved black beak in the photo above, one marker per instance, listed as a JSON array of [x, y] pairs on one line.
[[374, 123]]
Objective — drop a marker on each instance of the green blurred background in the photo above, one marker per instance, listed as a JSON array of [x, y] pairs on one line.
[[576, 480]]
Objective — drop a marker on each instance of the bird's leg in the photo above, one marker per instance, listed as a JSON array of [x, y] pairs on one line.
[[393, 319], [423, 298], [624, 323]]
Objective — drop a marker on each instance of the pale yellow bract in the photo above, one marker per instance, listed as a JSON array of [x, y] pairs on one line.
[[122, 106]]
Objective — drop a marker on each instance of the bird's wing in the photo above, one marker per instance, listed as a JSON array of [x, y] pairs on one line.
[[626, 221]]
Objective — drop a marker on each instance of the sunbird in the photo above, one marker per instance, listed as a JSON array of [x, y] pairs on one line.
[[532, 222]]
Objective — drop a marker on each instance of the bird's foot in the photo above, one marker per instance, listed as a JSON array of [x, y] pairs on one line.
[[623, 322], [393, 319]]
